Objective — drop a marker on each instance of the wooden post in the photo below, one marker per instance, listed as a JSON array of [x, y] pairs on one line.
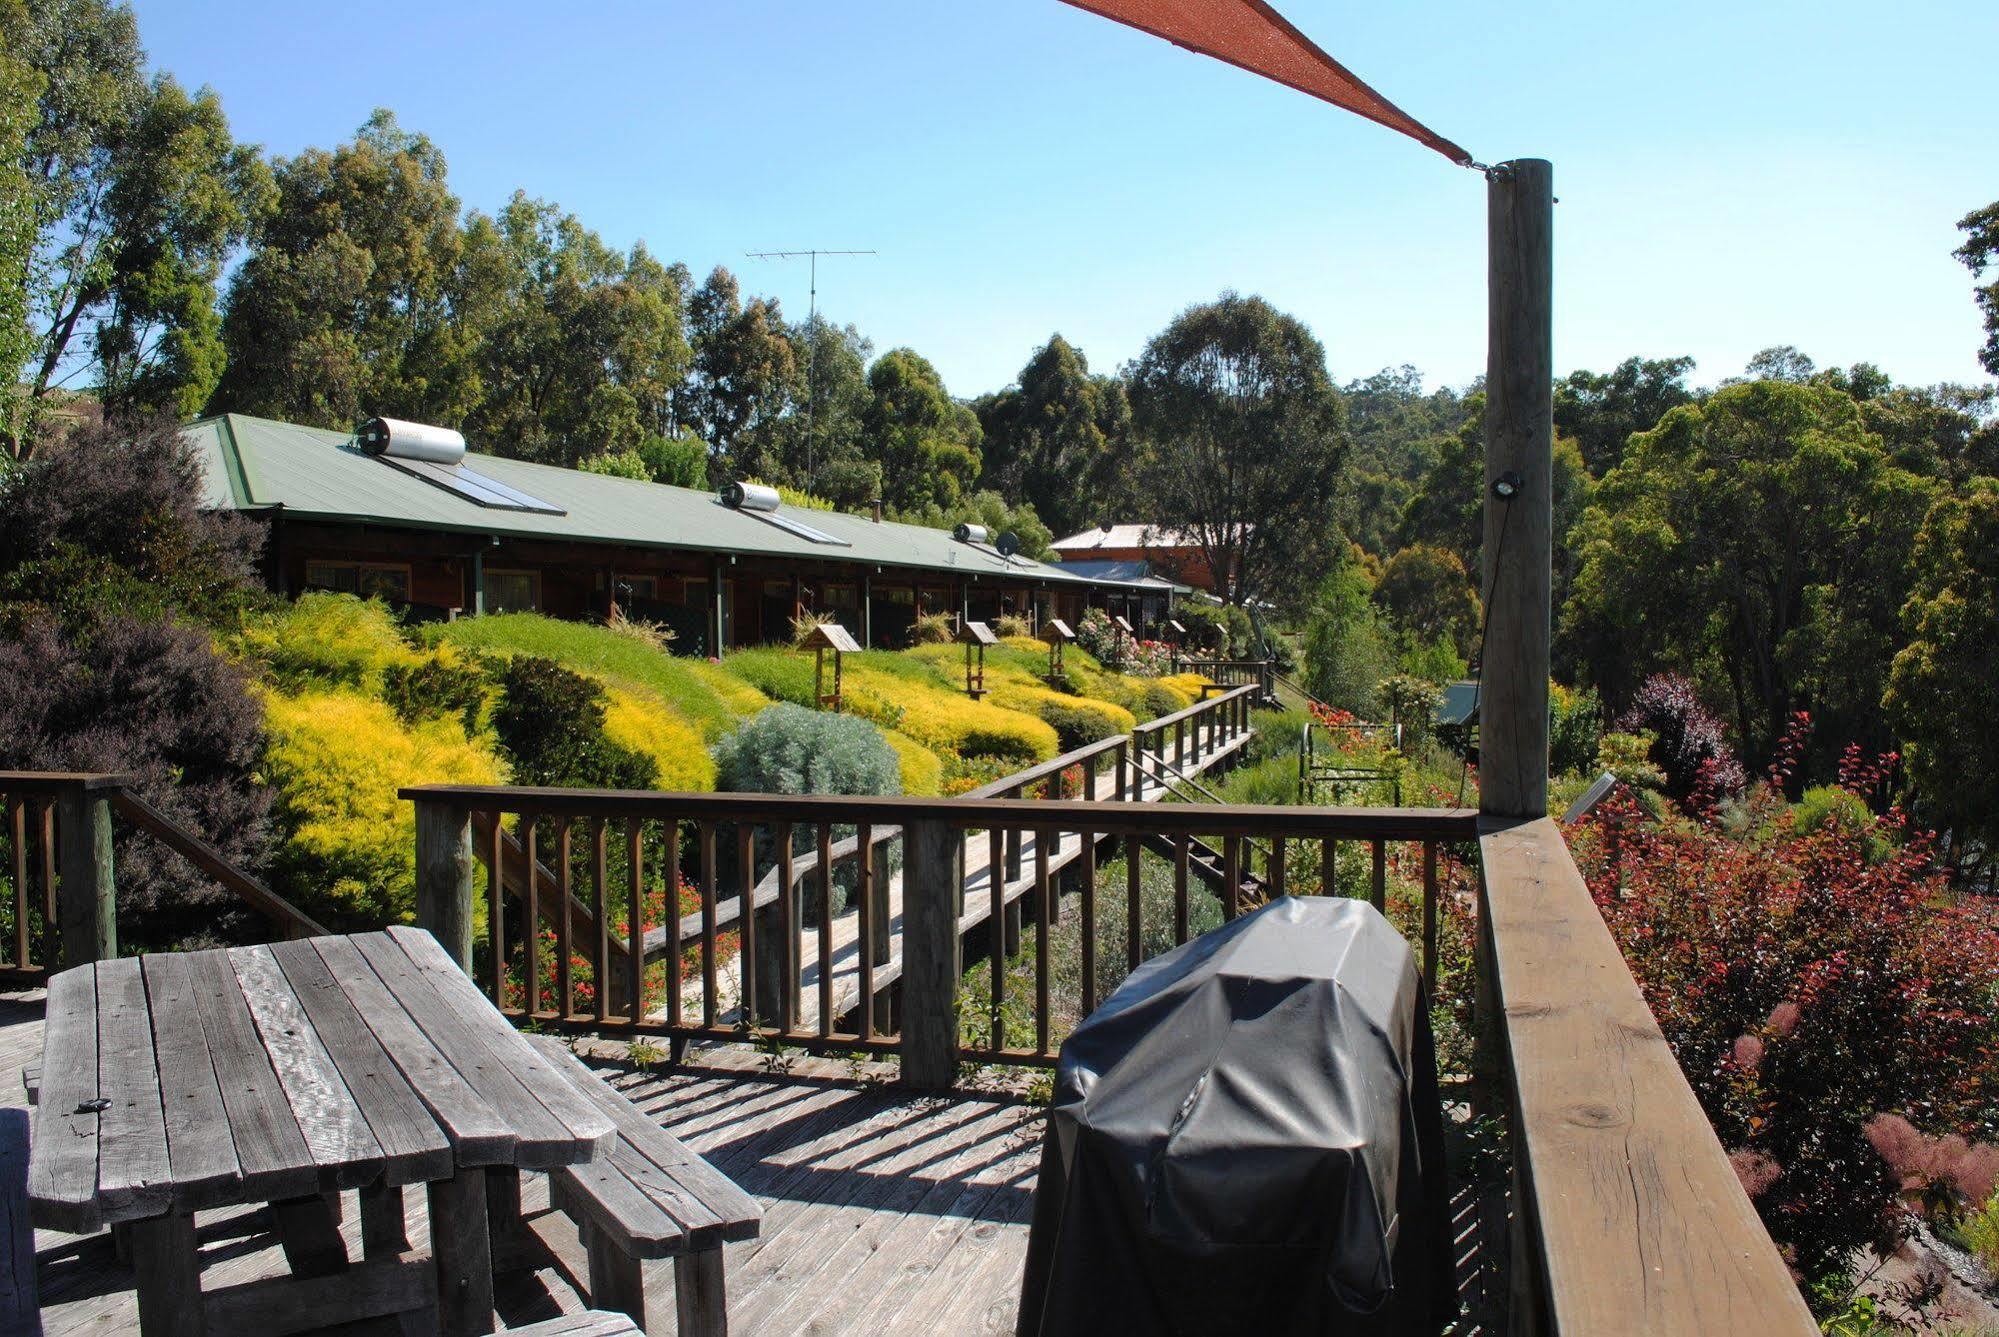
[[879, 877], [444, 878], [932, 879], [88, 894], [1519, 490]]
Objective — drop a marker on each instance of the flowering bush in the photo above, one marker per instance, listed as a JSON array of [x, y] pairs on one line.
[[1688, 742], [1100, 637], [1148, 659], [1829, 999]]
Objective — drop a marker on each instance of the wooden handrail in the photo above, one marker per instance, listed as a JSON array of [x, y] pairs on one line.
[[1019, 780], [1189, 712], [964, 813], [1630, 1218], [212, 862]]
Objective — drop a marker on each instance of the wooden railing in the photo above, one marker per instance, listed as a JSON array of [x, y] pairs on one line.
[[966, 863], [59, 836], [1260, 673], [1627, 1216]]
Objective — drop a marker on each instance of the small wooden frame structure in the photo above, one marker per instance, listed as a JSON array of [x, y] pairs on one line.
[[1124, 640], [1058, 634], [1177, 633], [828, 636], [976, 636]]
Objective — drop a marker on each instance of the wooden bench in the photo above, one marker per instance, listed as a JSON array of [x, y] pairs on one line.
[[652, 1198], [20, 1310], [589, 1323]]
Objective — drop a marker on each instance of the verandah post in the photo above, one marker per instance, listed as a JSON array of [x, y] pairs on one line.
[[1519, 490], [932, 878], [87, 906], [444, 877]]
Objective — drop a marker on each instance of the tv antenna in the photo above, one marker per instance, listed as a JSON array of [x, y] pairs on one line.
[[811, 323]]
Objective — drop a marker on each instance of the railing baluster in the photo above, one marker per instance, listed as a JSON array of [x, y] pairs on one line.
[[825, 928], [1180, 888], [531, 923], [496, 919], [51, 928], [996, 845], [746, 923], [1276, 867], [600, 906], [670, 866], [1380, 887], [1329, 867], [1231, 876], [635, 915], [864, 889], [17, 833], [1133, 927], [788, 928], [1088, 913], [1043, 917], [565, 972], [706, 839], [1430, 915]]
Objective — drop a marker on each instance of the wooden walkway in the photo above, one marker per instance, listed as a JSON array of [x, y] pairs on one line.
[[885, 1213], [1149, 781]]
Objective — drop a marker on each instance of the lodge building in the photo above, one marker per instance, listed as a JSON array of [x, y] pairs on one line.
[[446, 535]]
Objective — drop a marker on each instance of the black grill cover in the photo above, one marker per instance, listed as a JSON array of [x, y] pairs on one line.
[[1246, 1138]]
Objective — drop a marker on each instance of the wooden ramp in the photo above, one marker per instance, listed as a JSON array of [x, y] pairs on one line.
[[1151, 786]]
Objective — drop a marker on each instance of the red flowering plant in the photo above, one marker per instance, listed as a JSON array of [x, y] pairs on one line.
[[583, 974], [1813, 983]]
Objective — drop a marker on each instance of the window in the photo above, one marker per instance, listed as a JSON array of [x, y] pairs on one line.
[[839, 598], [638, 587], [512, 591], [370, 580], [694, 593], [900, 595]]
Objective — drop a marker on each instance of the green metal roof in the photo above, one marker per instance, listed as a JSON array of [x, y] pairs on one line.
[[258, 463]]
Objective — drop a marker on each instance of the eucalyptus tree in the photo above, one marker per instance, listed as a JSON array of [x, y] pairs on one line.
[[1245, 439], [1059, 439], [128, 196]]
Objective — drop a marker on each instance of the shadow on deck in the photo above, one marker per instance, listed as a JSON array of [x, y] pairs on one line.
[[886, 1212]]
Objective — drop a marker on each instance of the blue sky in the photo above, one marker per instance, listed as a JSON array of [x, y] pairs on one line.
[[1731, 175]]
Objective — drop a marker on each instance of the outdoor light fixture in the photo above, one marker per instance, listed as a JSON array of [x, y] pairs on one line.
[[1507, 486]]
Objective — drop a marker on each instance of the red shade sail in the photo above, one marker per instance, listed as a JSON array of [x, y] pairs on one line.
[[1251, 35]]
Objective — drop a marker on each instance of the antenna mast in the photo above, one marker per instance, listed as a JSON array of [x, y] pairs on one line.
[[812, 324]]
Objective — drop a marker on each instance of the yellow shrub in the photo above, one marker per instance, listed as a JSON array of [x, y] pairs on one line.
[[651, 729], [947, 722], [336, 760], [741, 698], [1077, 720], [328, 640], [922, 769], [1187, 685]]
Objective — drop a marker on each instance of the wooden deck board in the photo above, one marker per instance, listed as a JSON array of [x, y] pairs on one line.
[[870, 1192]]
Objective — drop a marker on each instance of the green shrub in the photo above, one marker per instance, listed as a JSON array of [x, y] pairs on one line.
[[1277, 734], [791, 750], [599, 652], [1829, 807], [1575, 729], [328, 640], [642, 725], [1412, 703], [1272, 780], [779, 674], [948, 721], [1012, 624], [437, 686], [551, 723]]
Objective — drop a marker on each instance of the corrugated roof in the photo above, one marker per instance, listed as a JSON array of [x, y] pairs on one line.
[[255, 463], [1135, 570], [1128, 536]]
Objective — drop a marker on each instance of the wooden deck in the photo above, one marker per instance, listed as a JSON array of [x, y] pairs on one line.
[[886, 1212]]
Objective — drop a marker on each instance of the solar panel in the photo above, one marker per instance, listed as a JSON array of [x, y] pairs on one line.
[[806, 532], [473, 487]]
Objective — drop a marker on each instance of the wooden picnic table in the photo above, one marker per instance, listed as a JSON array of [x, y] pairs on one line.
[[284, 1074]]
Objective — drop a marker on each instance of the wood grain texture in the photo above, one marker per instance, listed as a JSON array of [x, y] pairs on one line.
[[414, 1148], [20, 1311], [1642, 1224], [284, 1305], [62, 1168], [932, 882], [479, 1136], [1519, 532], [343, 1146], [271, 1152], [133, 1178], [539, 1139], [590, 1131], [200, 1151]]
